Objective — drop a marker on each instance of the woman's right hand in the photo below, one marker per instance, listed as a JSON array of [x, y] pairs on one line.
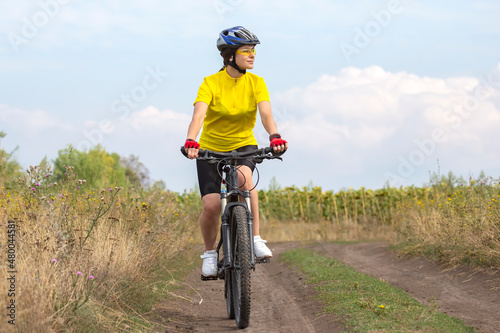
[[192, 148]]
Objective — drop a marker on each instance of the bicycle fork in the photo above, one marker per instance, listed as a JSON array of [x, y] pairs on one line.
[[226, 232], [226, 250], [246, 196]]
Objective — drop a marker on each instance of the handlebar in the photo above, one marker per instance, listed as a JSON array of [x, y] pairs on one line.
[[258, 154]]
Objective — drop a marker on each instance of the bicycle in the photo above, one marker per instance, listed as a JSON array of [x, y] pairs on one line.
[[236, 232]]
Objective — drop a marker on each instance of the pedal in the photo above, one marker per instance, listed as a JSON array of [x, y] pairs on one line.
[[208, 278], [262, 260]]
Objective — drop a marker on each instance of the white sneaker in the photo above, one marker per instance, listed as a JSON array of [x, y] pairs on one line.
[[261, 249], [209, 268]]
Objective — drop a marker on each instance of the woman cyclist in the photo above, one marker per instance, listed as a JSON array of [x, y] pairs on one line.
[[226, 107]]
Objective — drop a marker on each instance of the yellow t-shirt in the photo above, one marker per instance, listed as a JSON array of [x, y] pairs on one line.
[[232, 110]]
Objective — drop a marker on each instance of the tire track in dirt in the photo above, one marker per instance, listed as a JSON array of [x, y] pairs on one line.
[[285, 301], [281, 302]]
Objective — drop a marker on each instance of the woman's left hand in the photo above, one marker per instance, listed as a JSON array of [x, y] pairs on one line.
[[279, 145]]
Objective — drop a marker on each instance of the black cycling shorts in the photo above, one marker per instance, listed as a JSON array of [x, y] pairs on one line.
[[209, 179]]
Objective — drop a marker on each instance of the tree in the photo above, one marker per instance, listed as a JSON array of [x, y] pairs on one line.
[[9, 168], [135, 171], [98, 167]]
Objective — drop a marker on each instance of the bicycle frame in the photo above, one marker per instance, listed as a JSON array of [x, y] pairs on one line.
[[228, 201], [231, 199]]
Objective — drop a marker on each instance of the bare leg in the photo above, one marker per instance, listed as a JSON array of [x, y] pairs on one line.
[[209, 219]]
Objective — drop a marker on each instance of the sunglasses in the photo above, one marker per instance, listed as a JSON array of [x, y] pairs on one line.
[[246, 52]]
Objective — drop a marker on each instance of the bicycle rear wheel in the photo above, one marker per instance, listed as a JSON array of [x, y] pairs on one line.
[[240, 277]]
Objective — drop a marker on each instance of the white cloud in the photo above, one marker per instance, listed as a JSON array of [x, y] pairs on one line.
[[375, 117], [35, 132], [47, 24], [28, 65], [31, 123], [151, 134], [155, 136], [151, 118], [141, 130]]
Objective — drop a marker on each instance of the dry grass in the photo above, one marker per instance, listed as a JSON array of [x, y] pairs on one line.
[[461, 226], [347, 231], [84, 258]]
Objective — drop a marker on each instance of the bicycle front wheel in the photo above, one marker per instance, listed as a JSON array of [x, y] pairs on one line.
[[242, 267], [228, 293]]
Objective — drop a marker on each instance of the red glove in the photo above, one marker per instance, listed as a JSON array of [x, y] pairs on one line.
[[190, 143], [276, 140]]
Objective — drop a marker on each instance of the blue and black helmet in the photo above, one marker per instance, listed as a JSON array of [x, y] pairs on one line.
[[235, 37]]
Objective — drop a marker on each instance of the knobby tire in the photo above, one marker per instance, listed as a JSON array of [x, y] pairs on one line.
[[228, 290], [240, 277]]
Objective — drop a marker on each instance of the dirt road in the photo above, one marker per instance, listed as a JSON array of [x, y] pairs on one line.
[[283, 302]]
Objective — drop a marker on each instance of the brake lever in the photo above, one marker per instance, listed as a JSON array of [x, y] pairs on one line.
[[261, 158]]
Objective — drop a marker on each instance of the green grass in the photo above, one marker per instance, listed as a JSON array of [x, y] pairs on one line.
[[366, 304]]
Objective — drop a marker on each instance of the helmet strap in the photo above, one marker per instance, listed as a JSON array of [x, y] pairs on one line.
[[233, 64]]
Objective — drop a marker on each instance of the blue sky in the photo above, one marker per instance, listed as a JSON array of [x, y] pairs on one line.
[[364, 91]]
